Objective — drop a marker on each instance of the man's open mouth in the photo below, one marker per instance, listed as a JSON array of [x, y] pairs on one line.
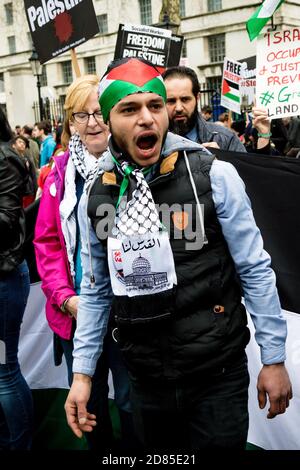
[[146, 142]]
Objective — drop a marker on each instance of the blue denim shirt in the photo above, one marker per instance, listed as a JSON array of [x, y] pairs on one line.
[[246, 248]]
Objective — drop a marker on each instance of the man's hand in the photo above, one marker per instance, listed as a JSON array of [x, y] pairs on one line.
[[273, 380], [78, 418], [72, 305]]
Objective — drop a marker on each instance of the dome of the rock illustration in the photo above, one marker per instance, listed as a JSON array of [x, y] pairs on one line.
[[141, 266]]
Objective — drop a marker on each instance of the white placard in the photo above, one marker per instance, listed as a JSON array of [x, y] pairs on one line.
[[232, 74], [278, 72]]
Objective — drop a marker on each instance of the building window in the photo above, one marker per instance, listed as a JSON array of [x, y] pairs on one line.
[[146, 11], [11, 44], [90, 65], [214, 83], [9, 13], [214, 5], [216, 47], [102, 23], [43, 79], [67, 71], [182, 8], [1, 82], [184, 49]]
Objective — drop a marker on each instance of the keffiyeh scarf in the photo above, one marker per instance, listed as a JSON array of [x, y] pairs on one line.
[[140, 257], [85, 163]]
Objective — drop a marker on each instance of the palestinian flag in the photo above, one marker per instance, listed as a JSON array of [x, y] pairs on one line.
[[131, 76], [231, 90], [261, 16]]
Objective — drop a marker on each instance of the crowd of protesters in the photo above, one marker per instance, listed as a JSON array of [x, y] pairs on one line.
[[284, 132], [68, 154], [39, 144]]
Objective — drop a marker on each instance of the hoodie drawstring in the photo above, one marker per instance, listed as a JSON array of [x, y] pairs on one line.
[[200, 214]]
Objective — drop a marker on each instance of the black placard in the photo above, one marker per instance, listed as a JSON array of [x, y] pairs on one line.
[[59, 25], [150, 43]]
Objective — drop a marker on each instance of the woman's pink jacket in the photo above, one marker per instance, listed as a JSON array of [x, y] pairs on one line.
[[51, 253]]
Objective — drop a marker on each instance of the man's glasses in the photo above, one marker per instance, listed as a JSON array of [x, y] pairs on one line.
[[83, 118]]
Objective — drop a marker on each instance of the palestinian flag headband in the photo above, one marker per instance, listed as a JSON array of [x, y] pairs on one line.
[[132, 76]]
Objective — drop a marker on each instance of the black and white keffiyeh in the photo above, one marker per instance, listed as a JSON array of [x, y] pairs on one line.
[[136, 211], [140, 257], [82, 161]]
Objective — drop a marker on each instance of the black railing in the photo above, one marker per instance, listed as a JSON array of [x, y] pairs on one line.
[[52, 110], [212, 98]]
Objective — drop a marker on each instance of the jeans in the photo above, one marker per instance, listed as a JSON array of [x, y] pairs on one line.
[[16, 406], [209, 412], [101, 438]]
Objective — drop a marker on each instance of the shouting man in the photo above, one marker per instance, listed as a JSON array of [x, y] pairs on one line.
[[174, 297]]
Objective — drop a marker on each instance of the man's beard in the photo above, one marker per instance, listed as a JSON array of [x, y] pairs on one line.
[[183, 127]]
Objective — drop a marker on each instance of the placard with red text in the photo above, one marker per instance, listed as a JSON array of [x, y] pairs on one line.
[[278, 72]]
